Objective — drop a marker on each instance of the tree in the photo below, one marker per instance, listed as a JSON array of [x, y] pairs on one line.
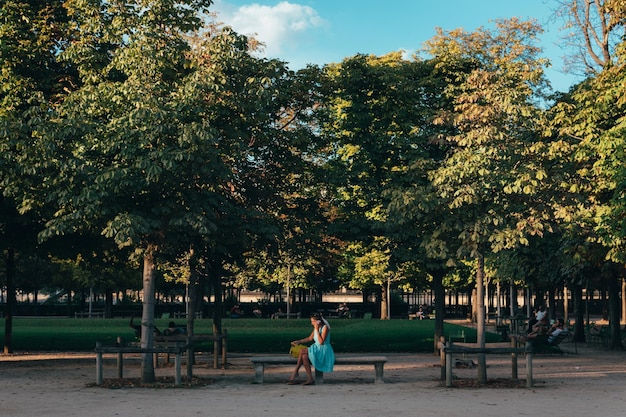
[[594, 28], [377, 108], [134, 157], [31, 79], [593, 116], [173, 144], [489, 180]]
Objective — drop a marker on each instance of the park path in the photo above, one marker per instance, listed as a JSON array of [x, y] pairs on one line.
[[591, 382]]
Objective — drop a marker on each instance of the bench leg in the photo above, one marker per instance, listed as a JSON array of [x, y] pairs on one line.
[[99, 368], [378, 367], [319, 377], [178, 371], [448, 369], [259, 369], [529, 370]]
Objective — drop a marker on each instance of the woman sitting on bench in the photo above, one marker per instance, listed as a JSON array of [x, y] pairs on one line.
[[320, 354]]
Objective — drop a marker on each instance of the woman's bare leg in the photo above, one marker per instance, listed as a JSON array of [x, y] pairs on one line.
[[299, 363], [307, 368]]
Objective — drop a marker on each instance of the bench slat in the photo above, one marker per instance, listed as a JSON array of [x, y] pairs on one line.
[[286, 360], [261, 361], [140, 350]]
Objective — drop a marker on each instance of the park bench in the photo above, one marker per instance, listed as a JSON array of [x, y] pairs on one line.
[[542, 344], [183, 315], [450, 349], [121, 350], [260, 362], [286, 315], [217, 339], [89, 315]]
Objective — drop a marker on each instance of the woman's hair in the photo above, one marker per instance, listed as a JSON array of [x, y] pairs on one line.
[[318, 316]]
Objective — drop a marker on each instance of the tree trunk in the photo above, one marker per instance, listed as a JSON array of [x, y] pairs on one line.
[[192, 304], [108, 303], [552, 313], [474, 306], [217, 291], [566, 303], [10, 305], [623, 320], [147, 317], [614, 312], [439, 305], [480, 318], [384, 299], [579, 312]]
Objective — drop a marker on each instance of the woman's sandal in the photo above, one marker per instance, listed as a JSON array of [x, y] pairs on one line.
[[292, 379], [309, 382]]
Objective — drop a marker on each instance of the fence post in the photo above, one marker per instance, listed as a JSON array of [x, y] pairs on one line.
[[529, 369], [120, 359], [177, 364], [98, 363], [513, 359], [224, 348], [442, 357], [448, 364]]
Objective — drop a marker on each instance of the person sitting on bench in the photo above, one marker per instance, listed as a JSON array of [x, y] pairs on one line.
[[173, 329], [555, 330], [320, 354], [137, 328]]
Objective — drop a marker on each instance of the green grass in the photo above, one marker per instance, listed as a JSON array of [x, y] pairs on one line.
[[244, 335]]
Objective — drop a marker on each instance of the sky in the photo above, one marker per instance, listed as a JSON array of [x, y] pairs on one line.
[[320, 32]]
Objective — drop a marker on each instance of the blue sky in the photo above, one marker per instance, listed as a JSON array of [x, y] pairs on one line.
[[325, 31]]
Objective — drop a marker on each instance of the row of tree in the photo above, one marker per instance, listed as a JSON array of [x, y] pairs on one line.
[[143, 133]]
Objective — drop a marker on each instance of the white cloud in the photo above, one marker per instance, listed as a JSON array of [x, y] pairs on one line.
[[282, 27]]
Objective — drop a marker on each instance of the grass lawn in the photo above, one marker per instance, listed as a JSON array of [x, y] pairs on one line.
[[244, 335]]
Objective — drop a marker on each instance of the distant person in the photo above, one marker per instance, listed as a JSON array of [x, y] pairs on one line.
[[540, 313], [173, 329], [539, 329], [257, 312], [320, 354], [236, 312], [137, 328], [343, 311], [556, 329]]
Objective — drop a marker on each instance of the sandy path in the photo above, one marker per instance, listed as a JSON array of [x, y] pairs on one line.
[[590, 383]]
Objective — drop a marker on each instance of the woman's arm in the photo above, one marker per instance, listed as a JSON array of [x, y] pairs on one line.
[[323, 335], [305, 340]]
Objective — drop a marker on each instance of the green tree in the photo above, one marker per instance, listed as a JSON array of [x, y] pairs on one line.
[[174, 147], [133, 155], [491, 179], [593, 116], [31, 79], [378, 108]]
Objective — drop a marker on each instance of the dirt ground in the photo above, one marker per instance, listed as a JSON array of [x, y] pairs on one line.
[[591, 382]]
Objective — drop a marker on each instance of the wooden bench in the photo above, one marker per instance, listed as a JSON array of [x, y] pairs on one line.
[[89, 315], [168, 341], [260, 362], [183, 315], [122, 350], [286, 315], [542, 344], [451, 349]]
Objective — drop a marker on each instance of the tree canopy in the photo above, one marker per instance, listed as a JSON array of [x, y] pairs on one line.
[[145, 133]]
